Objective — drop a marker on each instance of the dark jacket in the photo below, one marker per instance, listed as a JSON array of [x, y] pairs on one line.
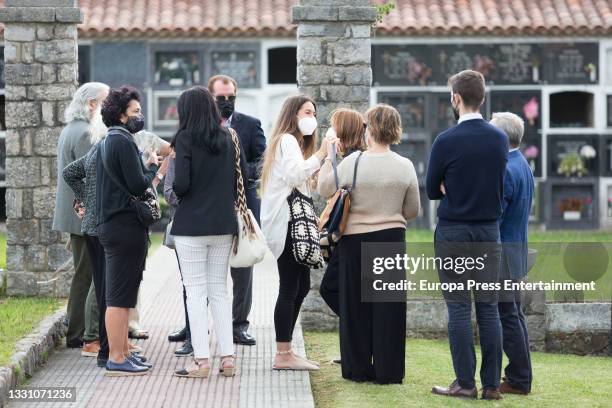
[[518, 195], [253, 145], [205, 184], [124, 161], [470, 159]]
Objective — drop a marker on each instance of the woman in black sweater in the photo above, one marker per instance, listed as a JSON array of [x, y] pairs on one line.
[[204, 223], [121, 175]]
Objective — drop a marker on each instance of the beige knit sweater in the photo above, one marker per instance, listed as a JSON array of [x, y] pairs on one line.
[[387, 192]]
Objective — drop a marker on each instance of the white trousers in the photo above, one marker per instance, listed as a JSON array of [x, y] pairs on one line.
[[204, 265]]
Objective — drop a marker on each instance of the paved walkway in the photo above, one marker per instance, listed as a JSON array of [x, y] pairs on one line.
[[255, 384]]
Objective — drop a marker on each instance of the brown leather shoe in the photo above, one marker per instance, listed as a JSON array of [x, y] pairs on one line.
[[455, 390], [506, 388], [90, 349], [491, 394]]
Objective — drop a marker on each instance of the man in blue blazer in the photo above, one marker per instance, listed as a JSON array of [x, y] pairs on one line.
[[466, 173], [518, 196], [253, 144]]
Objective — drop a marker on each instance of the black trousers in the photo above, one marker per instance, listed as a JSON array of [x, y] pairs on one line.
[[187, 328], [242, 278], [372, 335], [294, 284], [330, 284], [516, 344], [98, 267]]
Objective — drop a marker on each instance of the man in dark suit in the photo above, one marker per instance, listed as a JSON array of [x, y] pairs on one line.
[[466, 171], [253, 144], [518, 196]]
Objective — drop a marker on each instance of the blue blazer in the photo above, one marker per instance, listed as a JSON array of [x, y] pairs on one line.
[[518, 196], [253, 144]]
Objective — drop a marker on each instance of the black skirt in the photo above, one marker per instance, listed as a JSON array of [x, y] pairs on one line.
[[125, 243]]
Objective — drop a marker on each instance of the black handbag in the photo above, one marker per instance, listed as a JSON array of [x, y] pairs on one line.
[[303, 230], [335, 215], [146, 205]]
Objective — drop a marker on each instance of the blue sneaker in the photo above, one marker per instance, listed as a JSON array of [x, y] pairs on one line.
[[139, 356], [138, 362], [127, 368]]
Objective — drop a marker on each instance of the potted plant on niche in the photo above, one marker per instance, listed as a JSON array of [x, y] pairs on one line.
[[571, 208]]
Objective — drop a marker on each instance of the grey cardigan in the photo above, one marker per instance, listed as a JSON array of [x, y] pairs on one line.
[[74, 143], [80, 175]]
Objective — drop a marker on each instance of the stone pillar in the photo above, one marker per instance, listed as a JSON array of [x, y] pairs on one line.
[[334, 68], [40, 53]]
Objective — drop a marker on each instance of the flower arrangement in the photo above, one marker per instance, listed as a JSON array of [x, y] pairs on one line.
[[571, 204], [588, 152], [531, 152], [571, 165]]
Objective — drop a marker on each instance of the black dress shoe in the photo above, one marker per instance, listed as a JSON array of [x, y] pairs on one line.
[[244, 338], [101, 361], [179, 335], [185, 350], [74, 343]]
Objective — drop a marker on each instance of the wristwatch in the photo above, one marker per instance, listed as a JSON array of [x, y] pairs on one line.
[[159, 176]]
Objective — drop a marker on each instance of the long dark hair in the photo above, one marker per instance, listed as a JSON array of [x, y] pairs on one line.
[[199, 119]]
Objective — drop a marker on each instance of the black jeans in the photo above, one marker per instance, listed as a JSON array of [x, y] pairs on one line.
[[516, 344], [473, 240], [187, 329], [330, 284], [294, 284], [98, 264], [372, 334]]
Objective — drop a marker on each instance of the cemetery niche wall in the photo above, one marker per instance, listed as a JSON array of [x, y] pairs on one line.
[[555, 86]]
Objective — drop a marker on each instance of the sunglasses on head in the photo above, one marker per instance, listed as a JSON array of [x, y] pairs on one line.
[[222, 98]]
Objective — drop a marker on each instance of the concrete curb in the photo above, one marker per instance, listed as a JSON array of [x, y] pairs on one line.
[[31, 352]]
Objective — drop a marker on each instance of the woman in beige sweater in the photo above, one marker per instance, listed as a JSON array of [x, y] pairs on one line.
[[386, 196]]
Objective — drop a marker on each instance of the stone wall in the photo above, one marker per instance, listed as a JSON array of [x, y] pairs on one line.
[[334, 68], [334, 53], [41, 76], [576, 328]]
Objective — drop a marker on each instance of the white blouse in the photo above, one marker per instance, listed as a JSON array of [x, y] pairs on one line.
[[288, 171]]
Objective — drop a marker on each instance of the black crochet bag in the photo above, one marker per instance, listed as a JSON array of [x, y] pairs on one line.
[[304, 231]]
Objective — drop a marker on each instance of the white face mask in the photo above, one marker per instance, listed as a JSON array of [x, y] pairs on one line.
[[307, 125]]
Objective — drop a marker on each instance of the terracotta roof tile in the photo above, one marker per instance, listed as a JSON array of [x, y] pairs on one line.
[[410, 17], [498, 17]]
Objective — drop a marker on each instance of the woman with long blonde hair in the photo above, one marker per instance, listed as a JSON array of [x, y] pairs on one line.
[[291, 159]]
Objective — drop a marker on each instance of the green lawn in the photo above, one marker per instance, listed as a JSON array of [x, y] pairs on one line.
[[549, 266], [18, 317], [559, 380], [425, 235]]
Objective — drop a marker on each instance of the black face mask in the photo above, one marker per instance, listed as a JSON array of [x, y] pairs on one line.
[[455, 111], [226, 108], [135, 124]]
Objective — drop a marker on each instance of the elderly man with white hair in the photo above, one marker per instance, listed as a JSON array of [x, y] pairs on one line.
[[84, 126], [518, 195]]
